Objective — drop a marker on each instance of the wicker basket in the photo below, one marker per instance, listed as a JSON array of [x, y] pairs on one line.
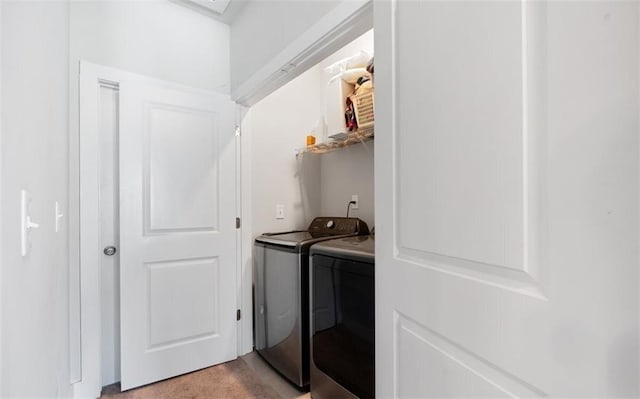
[[363, 106]]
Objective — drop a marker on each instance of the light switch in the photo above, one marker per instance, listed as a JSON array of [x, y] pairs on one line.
[[58, 216], [279, 211], [26, 224]]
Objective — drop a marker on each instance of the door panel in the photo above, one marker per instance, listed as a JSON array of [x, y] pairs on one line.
[[178, 285], [497, 272], [469, 144], [182, 168], [177, 231], [432, 366]]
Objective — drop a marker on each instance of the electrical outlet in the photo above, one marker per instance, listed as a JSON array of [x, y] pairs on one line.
[[354, 197], [279, 211]]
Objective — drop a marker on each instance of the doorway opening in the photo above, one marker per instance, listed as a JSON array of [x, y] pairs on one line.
[[89, 344], [109, 233]]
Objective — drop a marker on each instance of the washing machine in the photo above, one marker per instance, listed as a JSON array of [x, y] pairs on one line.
[[281, 293], [343, 318]]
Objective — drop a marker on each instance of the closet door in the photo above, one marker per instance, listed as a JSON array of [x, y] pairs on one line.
[[506, 198]]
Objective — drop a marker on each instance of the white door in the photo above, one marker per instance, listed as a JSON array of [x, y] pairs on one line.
[[506, 198], [177, 235]]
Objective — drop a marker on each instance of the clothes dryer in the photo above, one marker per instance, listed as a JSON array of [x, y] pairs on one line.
[[343, 318]]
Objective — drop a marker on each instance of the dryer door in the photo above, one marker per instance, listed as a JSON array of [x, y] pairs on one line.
[[343, 322]]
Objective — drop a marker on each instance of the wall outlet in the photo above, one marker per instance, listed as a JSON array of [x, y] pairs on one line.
[[354, 197], [279, 211]]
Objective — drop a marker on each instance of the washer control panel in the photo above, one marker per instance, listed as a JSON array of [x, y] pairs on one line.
[[335, 226]]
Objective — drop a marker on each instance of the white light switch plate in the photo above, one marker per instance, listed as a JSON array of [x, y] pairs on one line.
[[58, 216], [26, 224], [279, 211]]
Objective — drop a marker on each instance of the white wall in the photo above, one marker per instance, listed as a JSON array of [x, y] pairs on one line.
[[278, 125], [156, 38], [345, 172], [35, 48], [263, 28]]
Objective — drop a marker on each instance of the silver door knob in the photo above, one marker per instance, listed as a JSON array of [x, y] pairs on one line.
[[109, 251]]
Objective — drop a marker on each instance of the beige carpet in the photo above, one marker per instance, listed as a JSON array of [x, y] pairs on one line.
[[228, 380]]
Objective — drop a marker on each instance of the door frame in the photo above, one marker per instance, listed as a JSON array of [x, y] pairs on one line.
[[1, 202], [85, 299]]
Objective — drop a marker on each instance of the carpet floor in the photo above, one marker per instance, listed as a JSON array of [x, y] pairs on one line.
[[232, 380]]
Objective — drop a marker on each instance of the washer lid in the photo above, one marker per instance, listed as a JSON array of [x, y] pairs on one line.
[[293, 238], [290, 239], [358, 248]]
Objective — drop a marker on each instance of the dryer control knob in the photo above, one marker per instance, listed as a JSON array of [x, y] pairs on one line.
[[330, 224]]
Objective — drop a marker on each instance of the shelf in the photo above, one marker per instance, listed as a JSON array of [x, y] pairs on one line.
[[360, 136]]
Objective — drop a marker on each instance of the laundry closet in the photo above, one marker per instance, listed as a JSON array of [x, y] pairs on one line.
[[290, 185], [312, 184]]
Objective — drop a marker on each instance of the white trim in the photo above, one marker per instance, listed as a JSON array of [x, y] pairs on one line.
[[245, 339], [238, 211], [75, 353], [345, 22], [1, 203], [384, 153], [85, 166], [89, 245]]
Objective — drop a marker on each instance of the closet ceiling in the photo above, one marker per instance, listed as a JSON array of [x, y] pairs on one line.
[[218, 6], [221, 10]]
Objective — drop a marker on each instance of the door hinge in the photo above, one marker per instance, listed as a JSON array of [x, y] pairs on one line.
[[238, 314], [237, 223]]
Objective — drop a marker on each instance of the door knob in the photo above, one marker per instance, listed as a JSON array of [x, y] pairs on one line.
[[109, 251]]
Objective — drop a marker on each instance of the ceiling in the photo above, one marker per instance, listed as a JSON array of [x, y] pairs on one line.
[[218, 6], [220, 10]]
